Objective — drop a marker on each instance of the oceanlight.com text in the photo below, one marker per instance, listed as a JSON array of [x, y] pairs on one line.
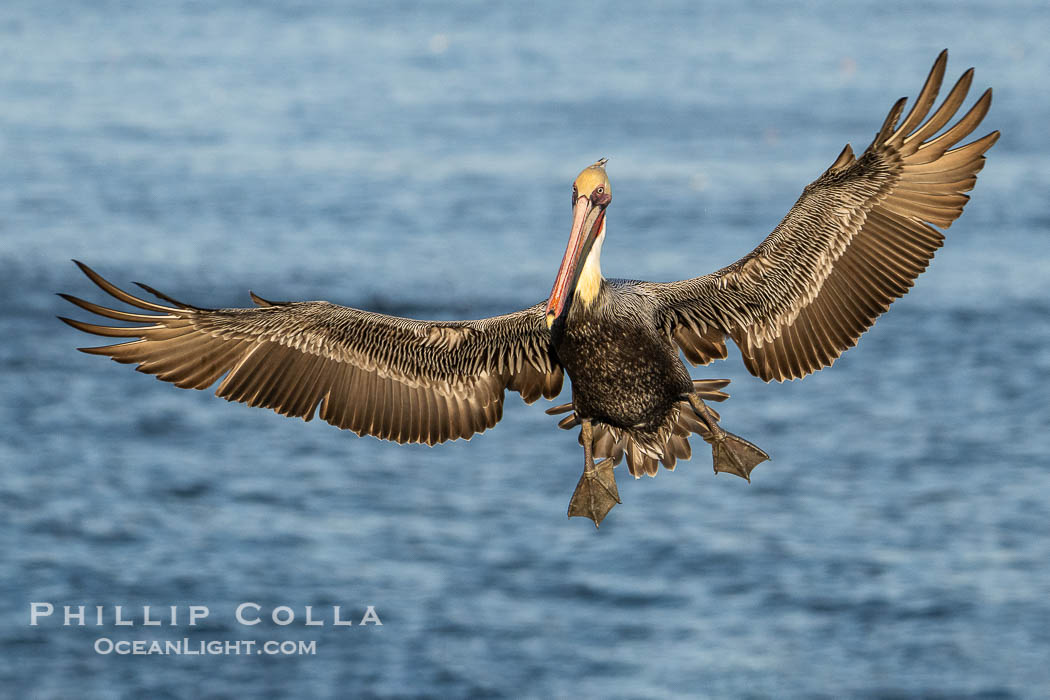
[[187, 647]]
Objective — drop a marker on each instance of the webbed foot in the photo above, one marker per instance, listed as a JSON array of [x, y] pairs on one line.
[[595, 493], [732, 453], [735, 455]]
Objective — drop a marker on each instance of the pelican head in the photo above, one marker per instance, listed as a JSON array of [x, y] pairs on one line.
[[580, 272]]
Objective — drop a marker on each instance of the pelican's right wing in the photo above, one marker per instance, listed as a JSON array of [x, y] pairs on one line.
[[394, 378]]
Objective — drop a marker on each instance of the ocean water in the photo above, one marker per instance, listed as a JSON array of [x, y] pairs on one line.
[[417, 159]]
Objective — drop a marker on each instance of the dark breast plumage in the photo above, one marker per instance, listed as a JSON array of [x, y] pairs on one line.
[[624, 371]]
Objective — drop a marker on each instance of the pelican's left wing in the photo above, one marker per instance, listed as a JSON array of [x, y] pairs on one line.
[[395, 378], [856, 240]]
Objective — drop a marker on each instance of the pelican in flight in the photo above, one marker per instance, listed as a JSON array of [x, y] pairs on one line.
[[853, 242]]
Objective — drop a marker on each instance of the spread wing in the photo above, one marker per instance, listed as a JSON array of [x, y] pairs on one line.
[[854, 241], [395, 378]]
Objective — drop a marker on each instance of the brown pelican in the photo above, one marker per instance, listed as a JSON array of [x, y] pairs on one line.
[[854, 241]]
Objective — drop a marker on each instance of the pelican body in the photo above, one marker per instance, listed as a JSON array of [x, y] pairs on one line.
[[625, 373], [853, 242]]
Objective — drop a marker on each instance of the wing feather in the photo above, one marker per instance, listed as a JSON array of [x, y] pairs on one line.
[[395, 378], [853, 243]]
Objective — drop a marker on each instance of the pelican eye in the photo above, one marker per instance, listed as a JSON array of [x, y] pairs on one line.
[[600, 189]]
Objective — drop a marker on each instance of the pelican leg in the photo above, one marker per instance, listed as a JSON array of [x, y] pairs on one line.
[[596, 491], [731, 453]]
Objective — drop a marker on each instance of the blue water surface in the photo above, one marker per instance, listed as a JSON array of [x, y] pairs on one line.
[[416, 159]]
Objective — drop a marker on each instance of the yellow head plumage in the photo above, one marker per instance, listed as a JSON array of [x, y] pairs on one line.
[[590, 179], [580, 274]]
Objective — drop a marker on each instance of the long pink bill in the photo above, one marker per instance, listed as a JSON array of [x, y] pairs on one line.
[[567, 272]]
